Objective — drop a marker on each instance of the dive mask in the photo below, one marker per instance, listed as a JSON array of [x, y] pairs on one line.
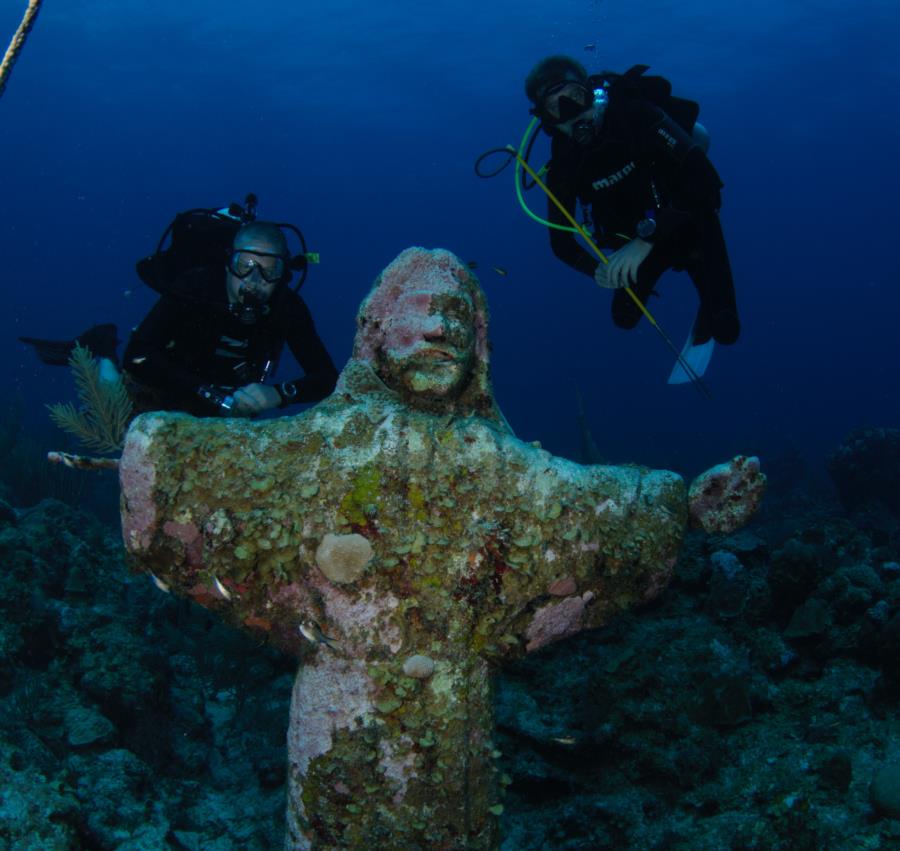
[[271, 267], [564, 101], [583, 131]]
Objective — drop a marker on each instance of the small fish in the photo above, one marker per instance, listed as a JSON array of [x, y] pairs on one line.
[[138, 360], [170, 344], [127, 293], [565, 740], [590, 48], [472, 264], [159, 583], [221, 588], [311, 631], [500, 271]]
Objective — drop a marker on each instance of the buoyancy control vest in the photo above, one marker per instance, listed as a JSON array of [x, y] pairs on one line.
[[636, 83]]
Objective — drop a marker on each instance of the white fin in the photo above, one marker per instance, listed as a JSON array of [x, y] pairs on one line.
[[108, 372], [696, 357]]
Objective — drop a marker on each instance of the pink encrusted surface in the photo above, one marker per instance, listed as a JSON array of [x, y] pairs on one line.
[[434, 273], [725, 497], [398, 759], [137, 477], [361, 620], [329, 695], [562, 587], [189, 535], [556, 621], [295, 595]]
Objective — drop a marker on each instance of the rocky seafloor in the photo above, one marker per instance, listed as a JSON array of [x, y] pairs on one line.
[[753, 706]]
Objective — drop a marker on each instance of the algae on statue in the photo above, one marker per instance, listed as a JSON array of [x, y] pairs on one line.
[[403, 543]]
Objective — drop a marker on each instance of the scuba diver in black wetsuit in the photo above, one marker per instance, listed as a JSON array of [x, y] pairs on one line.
[[213, 339], [634, 156], [216, 349]]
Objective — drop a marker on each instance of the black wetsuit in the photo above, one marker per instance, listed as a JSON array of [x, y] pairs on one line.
[[185, 343], [631, 169]]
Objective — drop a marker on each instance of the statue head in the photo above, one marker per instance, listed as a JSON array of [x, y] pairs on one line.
[[423, 331]]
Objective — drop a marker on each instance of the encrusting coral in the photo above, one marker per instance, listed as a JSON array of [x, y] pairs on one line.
[[343, 558], [483, 548]]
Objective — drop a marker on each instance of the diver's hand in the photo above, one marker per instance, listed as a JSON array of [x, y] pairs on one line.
[[623, 265], [254, 399], [601, 275]]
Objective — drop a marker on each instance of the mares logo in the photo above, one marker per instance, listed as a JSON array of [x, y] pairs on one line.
[[613, 179], [668, 139]]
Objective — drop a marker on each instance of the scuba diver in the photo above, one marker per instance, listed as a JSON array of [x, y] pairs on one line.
[[634, 156], [211, 343]]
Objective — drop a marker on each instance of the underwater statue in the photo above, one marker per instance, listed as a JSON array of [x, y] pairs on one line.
[[404, 544]]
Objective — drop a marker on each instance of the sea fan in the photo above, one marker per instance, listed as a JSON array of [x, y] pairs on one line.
[[105, 411]]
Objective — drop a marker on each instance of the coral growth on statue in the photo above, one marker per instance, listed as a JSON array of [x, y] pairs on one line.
[[403, 543]]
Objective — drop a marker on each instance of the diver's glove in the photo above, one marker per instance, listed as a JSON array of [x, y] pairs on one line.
[[253, 399], [622, 269], [218, 397], [601, 276]]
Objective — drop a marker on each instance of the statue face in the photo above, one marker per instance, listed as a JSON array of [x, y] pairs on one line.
[[429, 342]]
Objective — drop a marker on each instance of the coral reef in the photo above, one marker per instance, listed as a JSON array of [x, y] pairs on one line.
[[885, 791], [634, 735], [480, 548], [128, 719], [866, 469], [727, 496], [685, 729], [26, 478]]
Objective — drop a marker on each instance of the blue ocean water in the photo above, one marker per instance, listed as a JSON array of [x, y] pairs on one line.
[[361, 123]]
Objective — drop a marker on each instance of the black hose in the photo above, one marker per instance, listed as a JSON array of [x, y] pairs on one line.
[[510, 156]]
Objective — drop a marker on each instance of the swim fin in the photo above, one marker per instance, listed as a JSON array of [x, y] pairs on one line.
[[696, 355], [102, 340]]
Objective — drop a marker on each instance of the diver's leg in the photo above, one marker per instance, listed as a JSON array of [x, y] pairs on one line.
[[710, 271], [625, 313], [102, 341]]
